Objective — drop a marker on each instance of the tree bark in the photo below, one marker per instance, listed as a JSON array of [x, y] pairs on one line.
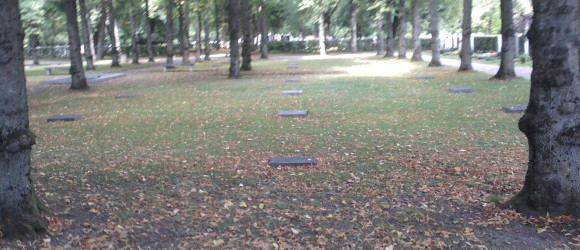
[[402, 29], [508, 47], [184, 30], [207, 38], [321, 36], [79, 81], [552, 121], [149, 23], [20, 216], [417, 50], [217, 27], [434, 28], [465, 53], [169, 31], [112, 36], [87, 37], [247, 38], [33, 42], [263, 32], [380, 37], [134, 48], [390, 49], [197, 36], [100, 50], [234, 26], [353, 24]]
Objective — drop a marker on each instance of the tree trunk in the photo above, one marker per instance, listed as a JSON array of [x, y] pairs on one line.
[[247, 38], [100, 50], [321, 36], [33, 42], [353, 23], [390, 48], [417, 50], [380, 38], [434, 27], [134, 48], [465, 53], [169, 31], [112, 36], [508, 45], [79, 81], [87, 37], [217, 27], [402, 30], [263, 32], [234, 25], [207, 38], [20, 216], [149, 23], [197, 36], [184, 30], [552, 121]]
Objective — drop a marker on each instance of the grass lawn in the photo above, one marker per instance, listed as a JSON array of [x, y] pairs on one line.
[[401, 161]]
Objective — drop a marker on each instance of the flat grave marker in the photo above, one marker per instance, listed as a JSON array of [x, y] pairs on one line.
[[461, 90], [292, 113], [293, 67], [424, 77], [91, 78], [292, 161], [514, 109], [65, 118], [293, 80], [293, 92], [50, 69], [127, 96]]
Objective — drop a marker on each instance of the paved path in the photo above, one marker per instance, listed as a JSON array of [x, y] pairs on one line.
[[490, 69]]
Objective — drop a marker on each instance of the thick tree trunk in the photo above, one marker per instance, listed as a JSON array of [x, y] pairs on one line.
[[417, 50], [353, 23], [380, 37], [234, 25], [434, 28], [402, 29], [465, 53], [184, 30], [508, 45], [197, 22], [169, 31], [33, 42], [100, 50], [390, 47], [263, 32], [20, 216], [134, 48], [206, 37], [247, 38], [87, 37], [79, 81], [217, 27], [552, 121], [321, 35], [149, 23], [112, 35]]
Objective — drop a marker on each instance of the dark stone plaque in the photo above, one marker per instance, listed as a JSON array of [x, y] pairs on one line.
[[292, 161], [292, 113], [514, 109], [65, 118]]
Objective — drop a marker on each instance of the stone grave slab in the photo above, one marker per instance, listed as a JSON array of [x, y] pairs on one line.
[[292, 113], [292, 161], [127, 96], [514, 109], [293, 67], [293, 92], [91, 78], [293, 80], [423, 77], [461, 90], [65, 118]]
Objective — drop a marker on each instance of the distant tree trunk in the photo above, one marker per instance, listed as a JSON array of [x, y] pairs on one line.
[[197, 22], [247, 38], [390, 49], [417, 50], [402, 30], [434, 28], [552, 121], [20, 216], [112, 35], [79, 81], [380, 38], [207, 38], [217, 27], [100, 51], [508, 47], [263, 32], [134, 48], [465, 53], [353, 23], [149, 23], [184, 30], [321, 36], [87, 37], [169, 31], [234, 25], [33, 42]]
